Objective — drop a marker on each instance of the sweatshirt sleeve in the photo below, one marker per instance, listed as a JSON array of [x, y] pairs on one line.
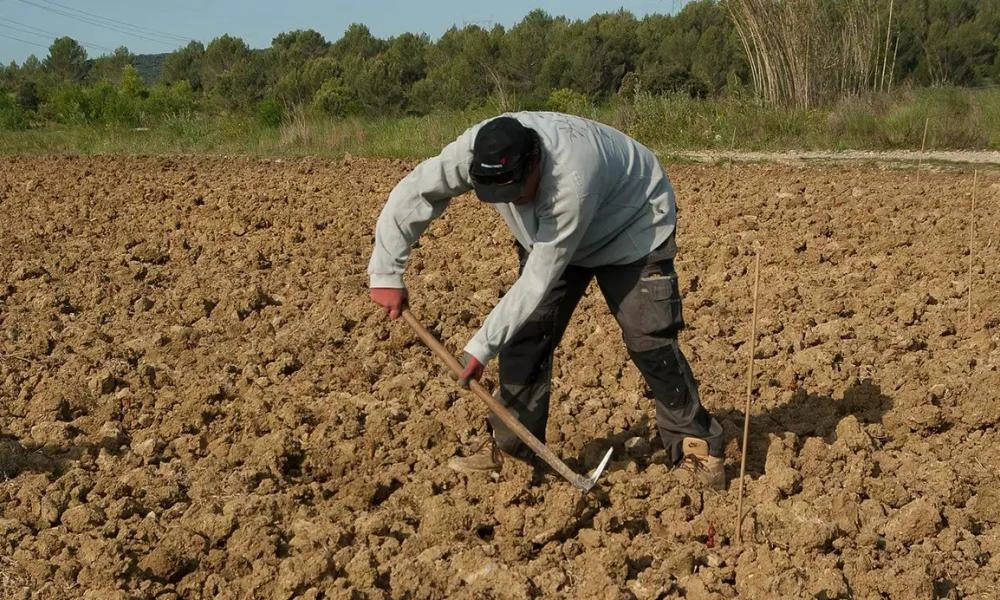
[[562, 223], [418, 199]]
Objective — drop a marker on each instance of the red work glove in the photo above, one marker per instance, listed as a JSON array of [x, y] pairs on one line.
[[392, 300], [473, 370]]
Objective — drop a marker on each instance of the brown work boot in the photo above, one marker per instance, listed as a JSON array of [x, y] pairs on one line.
[[485, 458], [699, 468]]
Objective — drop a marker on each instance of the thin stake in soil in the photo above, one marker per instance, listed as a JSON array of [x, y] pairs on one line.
[[972, 243], [923, 144], [746, 410], [732, 150]]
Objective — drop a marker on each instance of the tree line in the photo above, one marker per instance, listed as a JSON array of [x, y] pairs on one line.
[[710, 48]]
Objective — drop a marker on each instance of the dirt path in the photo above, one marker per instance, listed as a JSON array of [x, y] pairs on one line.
[[901, 158], [199, 401]]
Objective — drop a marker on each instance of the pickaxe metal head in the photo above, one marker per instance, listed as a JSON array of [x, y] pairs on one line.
[[586, 483]]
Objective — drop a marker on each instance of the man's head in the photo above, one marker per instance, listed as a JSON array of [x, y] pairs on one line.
[[505, 158]]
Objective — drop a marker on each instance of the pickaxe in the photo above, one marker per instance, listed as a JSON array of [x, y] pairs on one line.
[[540, 449]]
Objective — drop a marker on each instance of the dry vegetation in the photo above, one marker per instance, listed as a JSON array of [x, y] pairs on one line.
[[810, 52]]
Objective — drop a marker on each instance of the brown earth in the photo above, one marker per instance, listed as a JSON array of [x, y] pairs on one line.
[[199, 400]]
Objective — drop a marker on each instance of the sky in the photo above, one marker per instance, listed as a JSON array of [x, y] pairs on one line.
[[149, 27]]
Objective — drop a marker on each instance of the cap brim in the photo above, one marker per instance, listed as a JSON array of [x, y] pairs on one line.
[[498, 193]]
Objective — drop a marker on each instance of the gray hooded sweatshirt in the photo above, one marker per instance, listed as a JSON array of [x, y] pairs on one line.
[[603, 199]]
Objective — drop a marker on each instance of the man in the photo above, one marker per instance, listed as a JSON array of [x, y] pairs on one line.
[[584, 202]]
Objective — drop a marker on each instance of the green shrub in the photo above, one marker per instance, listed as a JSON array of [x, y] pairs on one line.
[[270, 113], [171, 100], [65, 104], [953, 117], [12, 116], [131, 85], [100, 104], [674, 120], [27, 95], [958, 119], [107, 105], [989, 103], [336, 99], [568, 101]]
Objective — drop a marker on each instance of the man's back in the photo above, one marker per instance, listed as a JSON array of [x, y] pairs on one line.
[[634, 207]]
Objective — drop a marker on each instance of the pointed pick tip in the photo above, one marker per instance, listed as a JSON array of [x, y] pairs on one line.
[[596, 473]]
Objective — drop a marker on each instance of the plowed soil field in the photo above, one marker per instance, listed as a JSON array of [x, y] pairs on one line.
[[198, 400]]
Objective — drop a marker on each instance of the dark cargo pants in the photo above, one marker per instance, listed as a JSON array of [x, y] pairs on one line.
[[644, 297]]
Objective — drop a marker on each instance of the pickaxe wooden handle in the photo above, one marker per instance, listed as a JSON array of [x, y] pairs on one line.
[[512, 422]]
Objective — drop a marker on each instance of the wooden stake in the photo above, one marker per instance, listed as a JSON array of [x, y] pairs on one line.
[[732, 151], [972, 242], [746, 410], [923, 144]]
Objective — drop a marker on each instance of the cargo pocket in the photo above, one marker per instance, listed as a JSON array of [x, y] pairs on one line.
[[660, 305], [650, 314]]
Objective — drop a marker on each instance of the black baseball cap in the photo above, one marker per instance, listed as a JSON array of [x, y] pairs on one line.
[[501, 157]]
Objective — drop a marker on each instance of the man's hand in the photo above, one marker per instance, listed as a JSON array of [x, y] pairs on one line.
[[392, 300], [473, 370]]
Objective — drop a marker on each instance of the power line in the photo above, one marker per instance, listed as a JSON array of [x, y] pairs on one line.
[[24, 28], [97, 22], [17, 39], [30, 30], [125, 24]]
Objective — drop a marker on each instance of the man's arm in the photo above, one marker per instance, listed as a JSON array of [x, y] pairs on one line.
[[561, 225], [418, 199]]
